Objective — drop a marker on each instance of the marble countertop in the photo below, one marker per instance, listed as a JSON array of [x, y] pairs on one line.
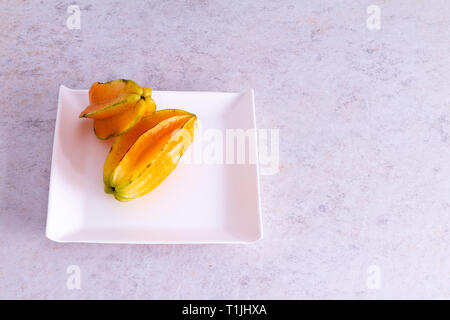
[[360, 207]]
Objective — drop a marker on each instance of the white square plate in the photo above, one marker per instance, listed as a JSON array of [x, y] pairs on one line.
[[197, 203]]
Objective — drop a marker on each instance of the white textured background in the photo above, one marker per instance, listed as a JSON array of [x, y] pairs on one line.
[[365, 143]]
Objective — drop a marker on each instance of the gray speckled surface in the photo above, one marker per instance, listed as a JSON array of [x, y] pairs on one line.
[[365, 150]]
